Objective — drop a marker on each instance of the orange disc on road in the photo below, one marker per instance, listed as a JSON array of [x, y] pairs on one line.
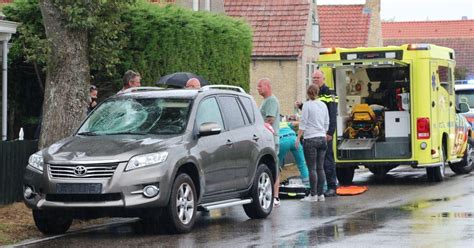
[[351, 190]]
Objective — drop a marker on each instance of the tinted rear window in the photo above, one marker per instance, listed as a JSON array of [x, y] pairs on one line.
[[249, 109], [232, 112]]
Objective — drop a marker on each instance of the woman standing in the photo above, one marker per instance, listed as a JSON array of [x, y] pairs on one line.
[[313, 126]]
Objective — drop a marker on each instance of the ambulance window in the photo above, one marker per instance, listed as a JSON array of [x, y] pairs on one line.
[[445, 78]]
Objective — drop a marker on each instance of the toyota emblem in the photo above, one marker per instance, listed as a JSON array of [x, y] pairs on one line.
[[80, 170]]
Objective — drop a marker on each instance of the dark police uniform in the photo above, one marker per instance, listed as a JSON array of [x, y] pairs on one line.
[[329, 97]]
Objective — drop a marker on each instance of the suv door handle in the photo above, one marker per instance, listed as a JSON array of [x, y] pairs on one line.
[[255, 137], [229, 142]]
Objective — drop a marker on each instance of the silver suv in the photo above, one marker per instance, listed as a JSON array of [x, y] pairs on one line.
[[160, 155]]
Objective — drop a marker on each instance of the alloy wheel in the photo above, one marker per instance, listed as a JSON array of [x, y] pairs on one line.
[[264, 190], [185, 203]]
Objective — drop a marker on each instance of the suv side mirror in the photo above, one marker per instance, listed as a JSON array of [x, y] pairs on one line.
[[209, 128], [463, 107]]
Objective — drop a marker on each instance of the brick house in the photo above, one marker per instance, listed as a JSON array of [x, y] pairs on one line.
[[458, 35], [355, 25], [284, 47]]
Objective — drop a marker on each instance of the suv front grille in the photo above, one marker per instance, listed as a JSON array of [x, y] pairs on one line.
[[102, 171]]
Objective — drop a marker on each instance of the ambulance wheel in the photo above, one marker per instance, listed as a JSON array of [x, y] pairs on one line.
[[345, 175], [436, 174], [466, 164], [379, 172]]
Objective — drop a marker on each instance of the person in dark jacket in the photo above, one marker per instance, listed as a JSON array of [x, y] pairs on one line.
[[93, 92], [329, 97]]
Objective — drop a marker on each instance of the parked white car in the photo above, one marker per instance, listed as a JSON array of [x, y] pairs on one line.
[[465, 93]]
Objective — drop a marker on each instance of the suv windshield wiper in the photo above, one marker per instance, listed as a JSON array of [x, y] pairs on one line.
[[88, 133], [128, 132]]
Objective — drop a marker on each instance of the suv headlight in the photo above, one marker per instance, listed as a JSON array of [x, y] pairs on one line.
[[36, 161], [146, 159]]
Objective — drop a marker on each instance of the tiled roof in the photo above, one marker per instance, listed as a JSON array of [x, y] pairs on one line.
[[343, 25], [279, 26], [463, 48], [428, 29]]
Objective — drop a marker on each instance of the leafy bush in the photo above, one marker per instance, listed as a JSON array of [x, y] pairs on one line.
[[148, 38], [171, 39]]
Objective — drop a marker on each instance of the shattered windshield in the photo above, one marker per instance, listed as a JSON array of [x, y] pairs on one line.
[[138, 116]]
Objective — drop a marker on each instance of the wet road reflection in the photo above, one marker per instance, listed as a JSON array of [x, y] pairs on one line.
[[404, 211]]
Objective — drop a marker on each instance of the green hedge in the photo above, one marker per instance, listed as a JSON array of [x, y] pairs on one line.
[[145, 37], [171, 39], [150, 39]]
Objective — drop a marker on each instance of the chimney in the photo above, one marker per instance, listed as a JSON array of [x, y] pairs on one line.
[[372, 7]]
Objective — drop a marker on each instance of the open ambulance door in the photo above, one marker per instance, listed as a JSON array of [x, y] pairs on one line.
[[357, 83], [329, 67]]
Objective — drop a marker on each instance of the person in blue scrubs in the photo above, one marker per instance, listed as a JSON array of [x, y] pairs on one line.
[[287, 143]]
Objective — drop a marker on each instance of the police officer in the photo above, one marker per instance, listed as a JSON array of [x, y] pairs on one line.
[[330, 98]]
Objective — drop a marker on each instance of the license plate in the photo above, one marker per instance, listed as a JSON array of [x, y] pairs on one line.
[[79, 188]]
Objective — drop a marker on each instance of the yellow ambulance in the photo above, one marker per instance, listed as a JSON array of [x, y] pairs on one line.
[[397, 107]]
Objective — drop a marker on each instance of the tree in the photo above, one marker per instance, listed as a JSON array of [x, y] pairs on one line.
[[112, 37], [68, 25]]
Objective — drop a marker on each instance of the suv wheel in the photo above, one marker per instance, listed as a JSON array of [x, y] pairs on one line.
[[180, 214], [51, 223], [261, 193]]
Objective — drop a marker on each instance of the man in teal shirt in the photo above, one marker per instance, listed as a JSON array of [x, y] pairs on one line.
[[270, 110]]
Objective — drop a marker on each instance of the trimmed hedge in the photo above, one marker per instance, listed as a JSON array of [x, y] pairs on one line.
[[147, 38], [164, 40]]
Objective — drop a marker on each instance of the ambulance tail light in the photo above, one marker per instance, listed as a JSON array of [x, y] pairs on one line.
[[418, 47], [331, 50], [423, 128]]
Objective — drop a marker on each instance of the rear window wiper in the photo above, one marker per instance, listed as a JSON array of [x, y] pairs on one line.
[[88, 133]]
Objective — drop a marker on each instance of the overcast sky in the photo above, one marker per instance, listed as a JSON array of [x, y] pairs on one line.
[[418, 10]]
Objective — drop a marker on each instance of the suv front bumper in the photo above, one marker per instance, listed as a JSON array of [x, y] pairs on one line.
[[123, 190]]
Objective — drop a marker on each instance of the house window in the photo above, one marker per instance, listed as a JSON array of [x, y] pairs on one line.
[[310, 67], [314, 28], [195, 5]]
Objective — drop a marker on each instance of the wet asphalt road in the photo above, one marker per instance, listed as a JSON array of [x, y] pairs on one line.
[[403, 210]]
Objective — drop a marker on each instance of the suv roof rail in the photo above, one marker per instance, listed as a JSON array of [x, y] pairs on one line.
[[223, 87], [146, 88]]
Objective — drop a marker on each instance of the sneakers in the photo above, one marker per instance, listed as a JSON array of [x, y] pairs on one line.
[[313, 198], [310, 198], [321, 198], [276, 202], [330, 193]]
